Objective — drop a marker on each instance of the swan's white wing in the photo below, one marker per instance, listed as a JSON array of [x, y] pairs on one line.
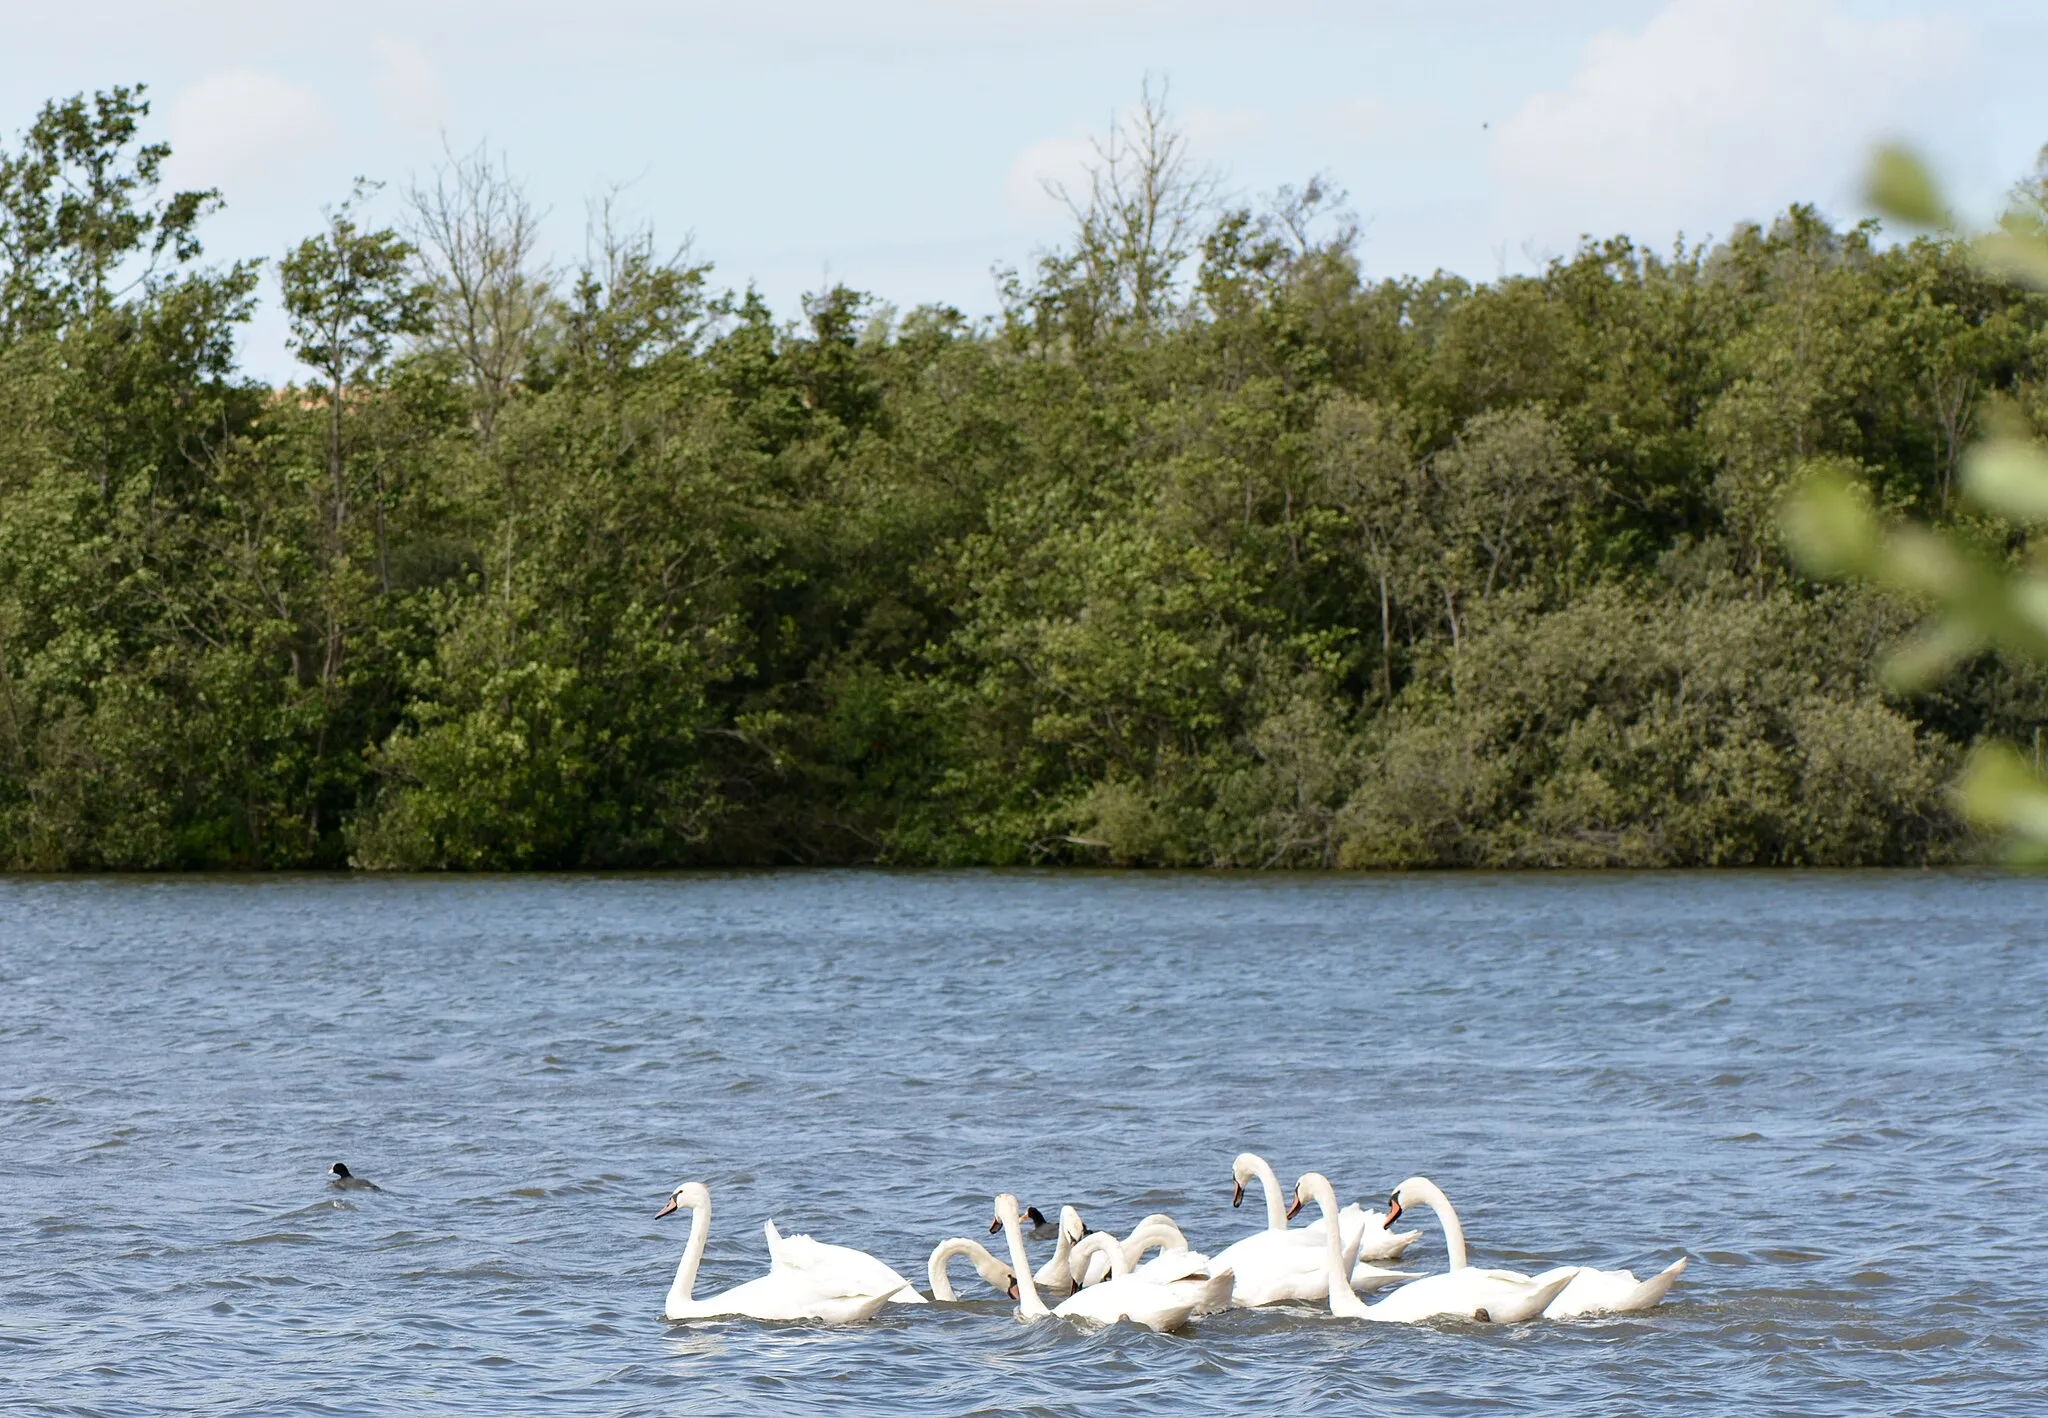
[[1128, 1298], [1362, 1233], [839, 1270], [1209, 1294], [786, 1295], [1501, 1296], [1270, 1268], [1367, 1276], [1612, 1292], [1169, 1266], [1376, 1242]]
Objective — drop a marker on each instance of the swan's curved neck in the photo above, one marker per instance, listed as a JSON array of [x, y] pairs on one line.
[[1423, 1189], [693, 1254], [935, 1269], [1028, 1303], [1106, 1244], [1343, 1299], [1063, 1248], [1154, 1231], [1276, 1214]]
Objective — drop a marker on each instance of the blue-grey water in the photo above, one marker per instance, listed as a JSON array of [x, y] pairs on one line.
[[1830, 1091]]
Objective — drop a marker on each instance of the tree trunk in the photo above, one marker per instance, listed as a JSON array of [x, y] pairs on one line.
[[1386, 644]]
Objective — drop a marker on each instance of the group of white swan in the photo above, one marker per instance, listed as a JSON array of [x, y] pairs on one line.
[[1097, 1279]]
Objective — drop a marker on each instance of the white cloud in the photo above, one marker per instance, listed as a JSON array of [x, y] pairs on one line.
[[1056, 160], [408, 86], [1223, 131], [1717, 111], [242, 129]]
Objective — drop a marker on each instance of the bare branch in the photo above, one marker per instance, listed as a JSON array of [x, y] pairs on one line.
[[1138, 220], [477, 233]]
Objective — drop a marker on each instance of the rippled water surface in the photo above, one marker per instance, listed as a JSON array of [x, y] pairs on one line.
[[1829, 1091]]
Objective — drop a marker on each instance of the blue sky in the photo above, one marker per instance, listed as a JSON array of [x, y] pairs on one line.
[[897, 146]]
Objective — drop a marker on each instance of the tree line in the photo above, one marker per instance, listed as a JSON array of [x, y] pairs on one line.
[[1205, 549]]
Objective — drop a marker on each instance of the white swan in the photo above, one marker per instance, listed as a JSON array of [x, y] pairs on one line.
[[1462, 1292], [990, 1269], [1277, 1265], [1150, 1305], [1096, 1269], [847, 1266], [1192, 1286], [786, 1292], [1609, 1292], [1365, 1233], [1187, 1272], [1056, 1276]]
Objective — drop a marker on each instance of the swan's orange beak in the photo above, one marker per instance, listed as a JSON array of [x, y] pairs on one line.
[[1236, 1195], [1393, 1212], [666, 1209], [1013, 1287], [1295, 1209], [995, 1225]]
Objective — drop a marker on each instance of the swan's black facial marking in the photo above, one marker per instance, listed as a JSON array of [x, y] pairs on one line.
[[1236, 1195], [1393, 1212]]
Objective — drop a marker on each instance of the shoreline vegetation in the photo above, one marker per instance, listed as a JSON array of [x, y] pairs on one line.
[[1207, 549]]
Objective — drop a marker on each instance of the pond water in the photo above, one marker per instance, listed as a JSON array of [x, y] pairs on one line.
[[1830, 1091]]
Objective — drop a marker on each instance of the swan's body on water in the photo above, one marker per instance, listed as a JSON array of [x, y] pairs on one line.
[[1463, 1291], [1276, 1265], [1150, 1305], [992, 1270], [1188, 1273], [838, 1265], [1609, 1292], [1155, 1303], [789, 1291], [1364, 1233]]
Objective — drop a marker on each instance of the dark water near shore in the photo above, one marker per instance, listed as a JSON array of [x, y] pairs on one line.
[[1829, 1090]]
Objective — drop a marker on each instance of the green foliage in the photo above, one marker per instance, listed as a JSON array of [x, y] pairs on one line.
[[1207, 550], [1981, 581], [78, 209], [349, 295]]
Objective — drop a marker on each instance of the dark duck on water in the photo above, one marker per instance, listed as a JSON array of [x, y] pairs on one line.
[[349, 1181]]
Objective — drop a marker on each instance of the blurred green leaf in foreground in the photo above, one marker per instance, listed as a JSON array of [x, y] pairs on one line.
[[1982, 596]]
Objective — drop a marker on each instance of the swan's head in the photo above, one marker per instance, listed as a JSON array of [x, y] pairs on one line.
[[1393, 1210], [1072, 1227], [1312, 1185], [1241, 1171], [1006, 1210], [690, 1196]]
